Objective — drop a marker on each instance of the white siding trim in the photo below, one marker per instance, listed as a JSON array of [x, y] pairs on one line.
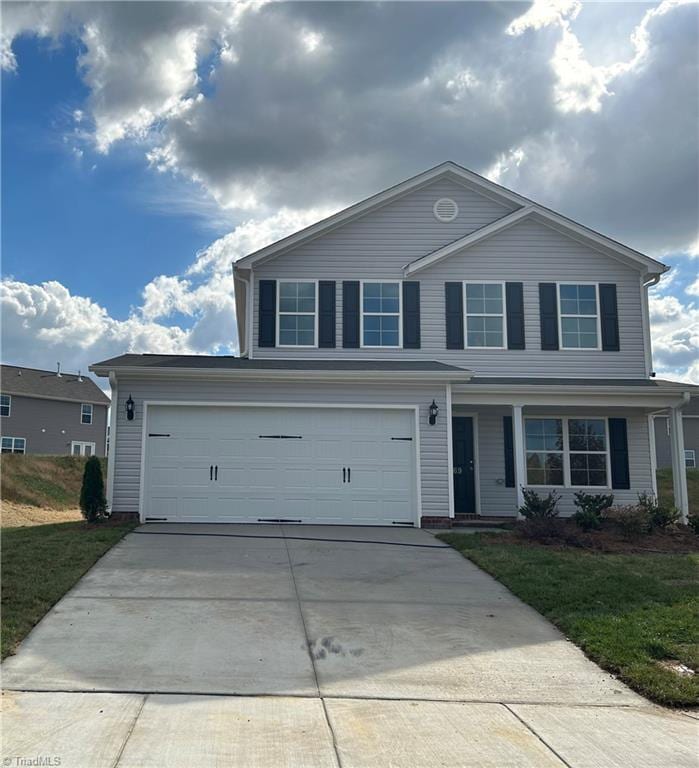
[[653, 455]]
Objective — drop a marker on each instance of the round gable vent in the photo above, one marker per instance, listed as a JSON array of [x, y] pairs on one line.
[[445, 209]]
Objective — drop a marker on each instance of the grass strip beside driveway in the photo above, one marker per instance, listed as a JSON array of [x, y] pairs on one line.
[[632, 614], [40, 564]]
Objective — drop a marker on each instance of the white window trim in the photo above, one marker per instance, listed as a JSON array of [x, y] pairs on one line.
[[7, 437], [567, 452], [9, 407], [690, 454], [315, 316], [92, 414], [478, 314], [82, 444], [598, 316], [362, 345]]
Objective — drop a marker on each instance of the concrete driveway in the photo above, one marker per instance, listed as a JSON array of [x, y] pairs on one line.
[[317, 646]]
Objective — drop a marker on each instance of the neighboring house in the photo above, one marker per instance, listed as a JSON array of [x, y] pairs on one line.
[[417, 357], [690, 420], [43, 412]]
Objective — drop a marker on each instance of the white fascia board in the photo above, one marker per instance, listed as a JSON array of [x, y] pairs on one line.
[[483, 185], [549, 218], [286, 375]]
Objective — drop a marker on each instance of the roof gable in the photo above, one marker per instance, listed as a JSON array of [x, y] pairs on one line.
[[548, 218], [450, 171]]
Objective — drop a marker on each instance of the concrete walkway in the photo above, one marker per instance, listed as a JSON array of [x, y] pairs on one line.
[[286, 646]]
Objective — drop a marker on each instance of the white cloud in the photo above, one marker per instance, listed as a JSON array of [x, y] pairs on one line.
[[675, 336]]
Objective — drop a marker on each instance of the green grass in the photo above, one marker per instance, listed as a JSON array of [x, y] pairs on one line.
[[626, 612], [40, 564], [666, 493], [51, 482]]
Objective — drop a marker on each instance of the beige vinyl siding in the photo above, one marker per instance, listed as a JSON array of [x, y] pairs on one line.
[[433, 439], [378, 246]]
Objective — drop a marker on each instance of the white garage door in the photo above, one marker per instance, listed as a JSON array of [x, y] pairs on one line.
[[250, 464]]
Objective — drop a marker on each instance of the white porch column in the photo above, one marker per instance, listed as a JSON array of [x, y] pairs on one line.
[[518, 446], [679, 471]]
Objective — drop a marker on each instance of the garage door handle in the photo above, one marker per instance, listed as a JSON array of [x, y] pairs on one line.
[[349, 474], [344, 475], [216, 472], [211, 472]]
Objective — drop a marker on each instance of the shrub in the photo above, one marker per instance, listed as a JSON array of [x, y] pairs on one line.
[[541, 515], [660, 516], [590, 508], [536, 508], [693, 523], [631, 519], [93, 502]]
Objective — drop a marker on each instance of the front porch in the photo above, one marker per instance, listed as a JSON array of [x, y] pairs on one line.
[[564, 435]]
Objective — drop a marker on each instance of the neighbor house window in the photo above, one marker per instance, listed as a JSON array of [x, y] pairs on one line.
[[86, 413], [5, 405], [78, 448], [381, 314], [578, 315], [297, 314], [690, 459], [587, 446], [485, 315], [544, 447], [566, 452], [13, 445]]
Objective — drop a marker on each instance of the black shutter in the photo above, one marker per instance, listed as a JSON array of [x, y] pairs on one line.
[[548, 312], [509, 451], [267, 332], [350, 314], [326, 314], [609, 318], [454, 304], [411, 315], [619, 453], [515, 315]]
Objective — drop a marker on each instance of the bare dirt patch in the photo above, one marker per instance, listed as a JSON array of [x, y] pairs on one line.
[[21, 515]]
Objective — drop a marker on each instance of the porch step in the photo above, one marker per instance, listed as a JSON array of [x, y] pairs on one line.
[[474, 521]]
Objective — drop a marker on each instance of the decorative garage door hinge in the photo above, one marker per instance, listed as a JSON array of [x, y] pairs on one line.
[[408, 439], [157, 434], [281, 437]]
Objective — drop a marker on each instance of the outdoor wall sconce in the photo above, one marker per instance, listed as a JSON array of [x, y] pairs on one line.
[[434, 411], [130, 408]]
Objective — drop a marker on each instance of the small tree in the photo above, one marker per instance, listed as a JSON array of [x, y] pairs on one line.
[[93, 502]]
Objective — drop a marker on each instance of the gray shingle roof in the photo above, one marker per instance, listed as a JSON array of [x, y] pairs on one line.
[[225, 362], [31, 382]]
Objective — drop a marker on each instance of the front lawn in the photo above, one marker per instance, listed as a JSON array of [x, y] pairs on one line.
[[40, 564], [633, 614]]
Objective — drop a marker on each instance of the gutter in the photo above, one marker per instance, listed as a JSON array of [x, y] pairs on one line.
[[276, 374]]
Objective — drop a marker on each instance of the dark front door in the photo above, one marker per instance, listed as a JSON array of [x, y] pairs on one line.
[[464, 471]]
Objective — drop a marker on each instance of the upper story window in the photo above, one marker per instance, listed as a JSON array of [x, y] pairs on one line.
[[5, 405], [485, 315], [566, 452], [13, 445], [297, 315], [690, 459], [578, 315], [381, 308], [86, 413]]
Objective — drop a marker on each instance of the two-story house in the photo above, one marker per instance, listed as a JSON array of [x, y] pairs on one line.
[[422, 355], [49, 412]]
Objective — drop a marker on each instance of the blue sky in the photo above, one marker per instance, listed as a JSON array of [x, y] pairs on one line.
[[146, 145]]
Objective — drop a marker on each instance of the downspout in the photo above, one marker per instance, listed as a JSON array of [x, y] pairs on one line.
[[654, 280]]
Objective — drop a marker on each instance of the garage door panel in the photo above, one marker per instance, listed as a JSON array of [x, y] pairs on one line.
[[266, 478]]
